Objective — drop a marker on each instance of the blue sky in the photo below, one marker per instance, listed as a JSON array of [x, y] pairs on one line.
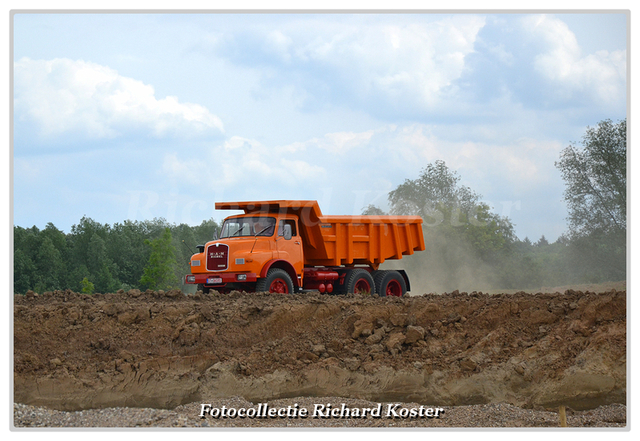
[[137, 116]]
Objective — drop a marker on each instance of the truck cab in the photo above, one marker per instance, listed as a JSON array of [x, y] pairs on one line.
[[248, 247]]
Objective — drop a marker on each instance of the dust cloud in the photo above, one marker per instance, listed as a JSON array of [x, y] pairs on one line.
[[446, 265]]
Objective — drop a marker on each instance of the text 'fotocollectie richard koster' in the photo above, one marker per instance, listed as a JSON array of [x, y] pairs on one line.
[[328, 410]]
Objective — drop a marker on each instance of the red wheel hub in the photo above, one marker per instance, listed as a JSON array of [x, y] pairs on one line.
[[362, 286], [279, 286], [394, 288]]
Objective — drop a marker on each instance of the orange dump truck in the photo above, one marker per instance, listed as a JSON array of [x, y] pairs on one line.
[[290, 246]]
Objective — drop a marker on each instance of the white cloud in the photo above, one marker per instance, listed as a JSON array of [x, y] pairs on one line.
[[601, 74], [342, 141], [336, 143], [180, 170], [373, 161], [242, 161], [296, 170], [410, 63], [63, 96], [238, 142], [417, 144]]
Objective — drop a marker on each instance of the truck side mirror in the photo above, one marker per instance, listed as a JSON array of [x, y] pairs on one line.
[[287, 232]]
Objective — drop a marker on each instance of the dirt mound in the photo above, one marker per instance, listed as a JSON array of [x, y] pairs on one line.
[[163, 349]]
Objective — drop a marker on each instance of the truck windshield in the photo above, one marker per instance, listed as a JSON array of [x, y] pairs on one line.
[[248, 226]]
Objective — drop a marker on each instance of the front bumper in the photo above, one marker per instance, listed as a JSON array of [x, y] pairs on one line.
[[218, 280]]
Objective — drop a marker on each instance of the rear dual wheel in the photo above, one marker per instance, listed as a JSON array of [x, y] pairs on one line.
[[358, 281], [389, 283]]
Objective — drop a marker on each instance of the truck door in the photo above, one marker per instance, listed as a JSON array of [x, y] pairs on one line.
[[289, 244]]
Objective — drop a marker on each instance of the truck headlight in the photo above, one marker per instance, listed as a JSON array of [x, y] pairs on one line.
[[191, 279], [242, 277]]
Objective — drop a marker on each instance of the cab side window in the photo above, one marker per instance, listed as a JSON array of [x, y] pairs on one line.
[[292, 225]]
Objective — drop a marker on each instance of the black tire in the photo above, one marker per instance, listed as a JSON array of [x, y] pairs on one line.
[[277, 281], [390, 283], [358, 280]]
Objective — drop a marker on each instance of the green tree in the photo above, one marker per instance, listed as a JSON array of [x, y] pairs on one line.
[[595, 176], [205, 231], [81, 237], [160, 270], [26, 243], [372, 210], [109, 257], [127, 250], [542, 241], [75, 275], [467, 245], [454, 209], [437, 189], [87, 287], [596, 179], [49, 267], [102, 269], [23, 272]]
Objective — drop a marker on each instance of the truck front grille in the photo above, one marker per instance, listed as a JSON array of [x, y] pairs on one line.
[[217, 257]]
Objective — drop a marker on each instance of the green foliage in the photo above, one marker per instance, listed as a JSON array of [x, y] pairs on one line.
[[372, 210], [596, 180], [466, 243], [434, 191], [487, 233], [24, 271], [110, 257], [596, 194], [87, 287], [159, 272], [49, 265]]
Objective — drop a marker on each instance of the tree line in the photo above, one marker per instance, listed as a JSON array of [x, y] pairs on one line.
[[97, 257], [468, 247]]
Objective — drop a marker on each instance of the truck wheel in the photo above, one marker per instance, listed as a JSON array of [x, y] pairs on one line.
[[277, 281], [358, 281], [390, 283]]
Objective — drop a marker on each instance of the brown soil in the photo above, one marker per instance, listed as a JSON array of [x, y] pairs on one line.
[[163, 349]]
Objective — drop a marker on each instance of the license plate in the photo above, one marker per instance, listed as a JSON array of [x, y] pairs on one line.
[[214, 280]]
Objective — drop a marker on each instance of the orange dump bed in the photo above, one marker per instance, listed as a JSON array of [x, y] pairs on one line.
[[343, 240]]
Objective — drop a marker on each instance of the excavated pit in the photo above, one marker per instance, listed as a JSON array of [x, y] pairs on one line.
[[155, 349]]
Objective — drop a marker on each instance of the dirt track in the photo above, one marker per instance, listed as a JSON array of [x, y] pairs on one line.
[[162, 350]]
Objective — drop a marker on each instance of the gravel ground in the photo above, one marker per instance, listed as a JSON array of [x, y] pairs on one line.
[[485, 415]]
